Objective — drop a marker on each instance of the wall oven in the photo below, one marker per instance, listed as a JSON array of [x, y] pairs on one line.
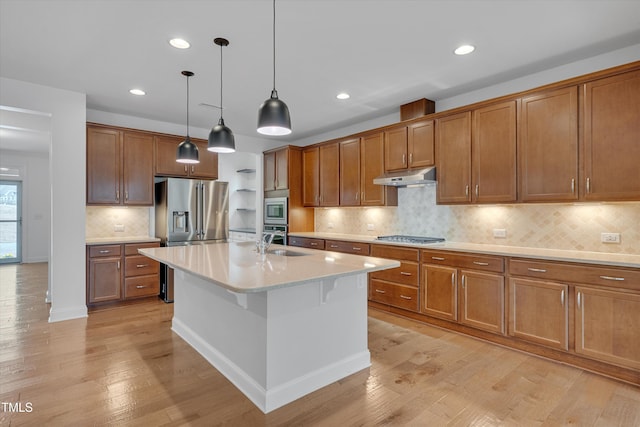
[[280, 232], [275, 210]]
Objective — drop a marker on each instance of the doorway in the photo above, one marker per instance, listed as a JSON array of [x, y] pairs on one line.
[[10, 221]]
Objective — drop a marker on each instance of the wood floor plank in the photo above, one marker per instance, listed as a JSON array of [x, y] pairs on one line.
[[124, 366]]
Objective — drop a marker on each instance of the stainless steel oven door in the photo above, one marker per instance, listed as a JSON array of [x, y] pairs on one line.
[[275, 210]]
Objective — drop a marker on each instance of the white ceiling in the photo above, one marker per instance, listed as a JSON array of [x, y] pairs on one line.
[[384, 53]]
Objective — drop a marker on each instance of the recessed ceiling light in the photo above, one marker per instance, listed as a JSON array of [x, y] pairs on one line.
[[138, 92], [179, 43], [464, 49], [343, 95]]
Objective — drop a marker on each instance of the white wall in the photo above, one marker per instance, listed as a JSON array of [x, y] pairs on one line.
[[36, 203], [67, 176]]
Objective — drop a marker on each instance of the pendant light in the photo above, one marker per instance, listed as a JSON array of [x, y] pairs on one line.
[[187, 150], [221, 138], [273, 115]]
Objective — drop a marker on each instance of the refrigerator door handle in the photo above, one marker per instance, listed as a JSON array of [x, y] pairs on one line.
[[198, 210]]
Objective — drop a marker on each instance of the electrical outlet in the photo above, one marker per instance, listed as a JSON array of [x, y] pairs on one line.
[[500, 233], [330, 225], [118, 227], [370, 227], [610, 237]]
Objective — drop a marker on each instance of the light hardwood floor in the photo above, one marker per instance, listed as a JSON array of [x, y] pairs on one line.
[[124, 366]]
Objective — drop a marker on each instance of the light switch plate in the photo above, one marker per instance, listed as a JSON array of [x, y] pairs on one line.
[[118, 227], [500, 233], [370, 227]]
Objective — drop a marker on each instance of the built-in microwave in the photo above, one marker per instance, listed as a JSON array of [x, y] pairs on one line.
[[275, 210]]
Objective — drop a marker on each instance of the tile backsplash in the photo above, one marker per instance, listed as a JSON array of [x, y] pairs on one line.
[[102, 221], [553, 226]]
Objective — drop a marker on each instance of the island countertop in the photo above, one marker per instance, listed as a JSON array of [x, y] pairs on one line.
[[238, 267]]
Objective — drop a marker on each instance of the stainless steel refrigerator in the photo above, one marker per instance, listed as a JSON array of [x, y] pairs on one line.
[[187, 212]]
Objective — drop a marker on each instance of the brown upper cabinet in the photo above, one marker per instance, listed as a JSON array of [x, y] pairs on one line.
[[493, 154], [612, 138], [166, 165], [410, 146], [548, 146], [350, 172], [321, 172], [311, 176], [276, 169], [119, 167], [453, 154]]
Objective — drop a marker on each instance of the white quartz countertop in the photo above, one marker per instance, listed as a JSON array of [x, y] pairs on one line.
[[118, 240], [587, 257], [238, 267]]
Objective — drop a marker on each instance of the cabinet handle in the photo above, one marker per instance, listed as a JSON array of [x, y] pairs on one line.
[[355, 248], [537, 270], [579, 299], [464, 280], [453, 279], [406, 297], [404, 158], [357, 195], [437, 258], [410, 158], [477, 190], [140, 287], [588, 185], [126, 195], [380, 291], [332, 246], [193, 169], [480, 263], [573, 185], [313, 244], [142, 265], [466, 190], [117, 195], [105, 251], [619, 279], [404, 273], [118, 265], [562, 298], [186, 168]]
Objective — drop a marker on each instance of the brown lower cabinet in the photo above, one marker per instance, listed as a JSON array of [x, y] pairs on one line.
[[118, 272], [396, 287]]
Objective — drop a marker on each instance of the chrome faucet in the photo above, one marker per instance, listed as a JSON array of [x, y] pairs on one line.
[[263, 244]]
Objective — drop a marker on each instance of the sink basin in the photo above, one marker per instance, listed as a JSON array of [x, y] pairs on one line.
[[285, 252]]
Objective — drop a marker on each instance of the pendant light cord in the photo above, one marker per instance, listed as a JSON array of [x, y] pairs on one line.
[[221, 109], [274, 45], [187, 106]]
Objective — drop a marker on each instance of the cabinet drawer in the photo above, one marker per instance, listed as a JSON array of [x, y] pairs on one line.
[[406, 274], [306, 242], [470, 261], [139, 265], [577, 273], [105, 251], [141, 286], [395, 252], [396, 295], [132, 248], [347, 247]]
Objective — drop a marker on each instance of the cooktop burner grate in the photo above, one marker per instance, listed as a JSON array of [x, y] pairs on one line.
[[410, 239]]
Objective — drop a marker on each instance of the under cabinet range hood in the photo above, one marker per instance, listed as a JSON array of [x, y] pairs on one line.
[[408, 178]]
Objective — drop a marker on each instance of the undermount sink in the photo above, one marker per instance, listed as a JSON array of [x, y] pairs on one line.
[[285, 252]]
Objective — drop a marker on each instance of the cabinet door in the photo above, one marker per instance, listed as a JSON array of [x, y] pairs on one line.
[[330, 175], [269, 171], [439, 296], [608, 326], [137, 175], [311, 176], [453, 158], [493, 153], [538, 312], [105, 279], [282, 169], [208, 166], [420, 144], [166, 153], [395, 149], [350, 172], [372, 166], [103, 166], [482, 301], [612, 138], [548, 146]]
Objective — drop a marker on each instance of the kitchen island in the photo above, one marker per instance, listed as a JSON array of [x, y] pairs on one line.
[[278, 325]]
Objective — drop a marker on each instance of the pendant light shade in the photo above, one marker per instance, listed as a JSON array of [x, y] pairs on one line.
[[221, 139], [273, 115], [187, 150]]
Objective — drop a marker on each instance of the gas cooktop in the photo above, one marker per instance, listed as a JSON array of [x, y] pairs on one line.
[[398, 238]]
